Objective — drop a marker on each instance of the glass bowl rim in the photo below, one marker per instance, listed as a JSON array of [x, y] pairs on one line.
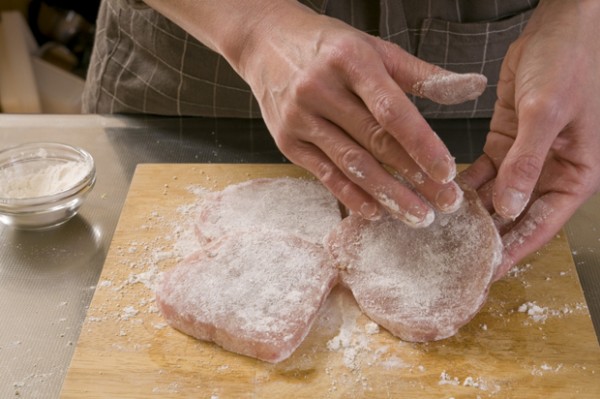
[[29, 204]]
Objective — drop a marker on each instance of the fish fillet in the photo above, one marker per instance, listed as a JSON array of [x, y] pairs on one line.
[[420, 284], [254, 292], [304, 207]]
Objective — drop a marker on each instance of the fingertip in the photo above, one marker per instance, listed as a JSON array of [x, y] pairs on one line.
[[370, 211], [516, 179], [416, 219], [510, 202], [426, 221], [417, 215], [450, 88], [443, 169], [449, 199]]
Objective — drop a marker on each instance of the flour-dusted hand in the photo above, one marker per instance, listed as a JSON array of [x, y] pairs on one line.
[[334, 99], [541, 155]]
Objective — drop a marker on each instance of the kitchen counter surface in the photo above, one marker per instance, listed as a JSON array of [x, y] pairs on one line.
[[48, 278]]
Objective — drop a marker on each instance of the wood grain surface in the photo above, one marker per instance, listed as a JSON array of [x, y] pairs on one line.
[[533, 338]]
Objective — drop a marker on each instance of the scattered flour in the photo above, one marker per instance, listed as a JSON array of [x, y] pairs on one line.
[[445, 379], [371, 328], [129, 312], [160, 326], [539, 371], [353, 339], [539, 314], [469, 381], [356, 342], [519, 270]]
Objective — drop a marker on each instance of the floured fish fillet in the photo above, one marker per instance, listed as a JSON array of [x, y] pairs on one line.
[[420, 284], [304, 207], [254, 292]]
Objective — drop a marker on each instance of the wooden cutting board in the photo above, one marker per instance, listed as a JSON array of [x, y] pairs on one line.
[[533, 339]]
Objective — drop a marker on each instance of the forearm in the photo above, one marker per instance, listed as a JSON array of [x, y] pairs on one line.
[[230, 27]]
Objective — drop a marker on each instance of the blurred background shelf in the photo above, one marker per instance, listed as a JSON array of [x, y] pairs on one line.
[[44, 54]]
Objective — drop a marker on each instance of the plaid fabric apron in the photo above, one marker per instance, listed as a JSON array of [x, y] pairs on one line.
[[143, 63]]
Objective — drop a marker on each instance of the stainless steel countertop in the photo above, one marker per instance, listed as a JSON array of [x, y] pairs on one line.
[[47, 279]]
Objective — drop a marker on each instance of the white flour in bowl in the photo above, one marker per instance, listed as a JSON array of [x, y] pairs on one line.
[[40, 178]]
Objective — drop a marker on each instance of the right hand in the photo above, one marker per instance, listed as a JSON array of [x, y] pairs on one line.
[[334, 100]]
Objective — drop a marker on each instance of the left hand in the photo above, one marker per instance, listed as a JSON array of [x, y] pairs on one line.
[[541, 158]]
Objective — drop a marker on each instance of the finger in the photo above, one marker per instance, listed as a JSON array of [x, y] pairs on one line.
[[479, 172], [480, 176], [446, 198], [520, 170], [363, 170], [450, 88], [485, 193], [544, 218], [397, 115], [426, 80], [352, 116], [351, 195]]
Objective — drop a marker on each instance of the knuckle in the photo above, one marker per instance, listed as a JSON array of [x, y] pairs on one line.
[[306, 86], [351, 157], [341, 52], [325, 172], [285, 144], [334, 180], [289, 144], [528, 166], [387, 113], [379, 140], [540, 106], [288, 114]]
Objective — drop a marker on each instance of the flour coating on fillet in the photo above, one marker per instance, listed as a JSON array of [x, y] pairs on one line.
[[420, 284], [300, 206], [254, 292]]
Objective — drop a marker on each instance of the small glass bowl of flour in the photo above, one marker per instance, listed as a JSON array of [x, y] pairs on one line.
[[43, 185]]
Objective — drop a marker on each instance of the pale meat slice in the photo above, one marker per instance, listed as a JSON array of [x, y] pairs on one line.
[[300, 206], [420, 284], [254, 292]]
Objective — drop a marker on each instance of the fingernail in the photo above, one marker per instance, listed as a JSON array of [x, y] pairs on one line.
[[443, 170], [419, 216], [512, 202], [370, 211], [449, 199]]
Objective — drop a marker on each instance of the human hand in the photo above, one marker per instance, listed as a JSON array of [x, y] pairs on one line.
[[541, 156], [334, 100]]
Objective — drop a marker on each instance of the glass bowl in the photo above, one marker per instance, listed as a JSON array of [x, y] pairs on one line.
[[43, 185]]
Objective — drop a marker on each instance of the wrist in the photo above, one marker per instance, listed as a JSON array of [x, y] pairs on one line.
[[259, 38], [232, 28]]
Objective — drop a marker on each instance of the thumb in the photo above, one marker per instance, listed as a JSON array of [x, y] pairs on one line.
[[426, 80], [520, 170]]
